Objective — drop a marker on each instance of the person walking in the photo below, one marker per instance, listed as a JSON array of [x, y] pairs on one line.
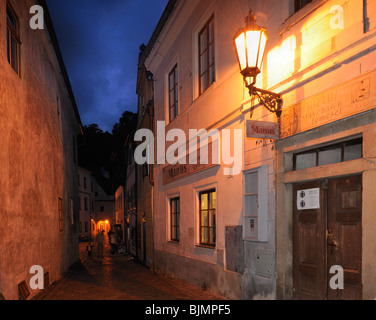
[[113, 241], [88, 249], [99, 239]]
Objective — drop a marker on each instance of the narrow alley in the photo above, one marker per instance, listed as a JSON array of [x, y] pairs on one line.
[[118, 277]]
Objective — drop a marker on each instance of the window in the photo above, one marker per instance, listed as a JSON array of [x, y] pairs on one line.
[[300, 4], [335, 153], [13, 40], [102, 209], [85, 182], [86, 226], [207, 217], [255, 218], [60, 208], [206, 56], [173, 92], [85, 200], [174, 219], [251, 204]]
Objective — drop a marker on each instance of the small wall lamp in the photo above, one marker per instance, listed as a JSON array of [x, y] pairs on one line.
[[250, 43]]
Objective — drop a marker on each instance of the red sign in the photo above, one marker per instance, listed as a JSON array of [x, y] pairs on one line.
[[262, 130]]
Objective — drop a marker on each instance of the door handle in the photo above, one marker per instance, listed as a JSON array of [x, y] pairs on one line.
[[331, 240]]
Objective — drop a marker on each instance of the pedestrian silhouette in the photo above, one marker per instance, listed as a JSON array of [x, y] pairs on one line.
[[99, 239], [113, 241], [88, 249]]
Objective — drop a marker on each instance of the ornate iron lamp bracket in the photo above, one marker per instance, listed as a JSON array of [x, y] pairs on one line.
[[270, 100]]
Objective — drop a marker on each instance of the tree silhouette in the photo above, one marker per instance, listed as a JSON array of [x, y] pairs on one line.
[[101, 152]]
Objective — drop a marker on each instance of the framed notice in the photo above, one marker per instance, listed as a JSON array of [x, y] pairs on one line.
[[308, 199]]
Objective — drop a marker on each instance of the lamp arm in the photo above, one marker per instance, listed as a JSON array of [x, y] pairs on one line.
[[270, 100]]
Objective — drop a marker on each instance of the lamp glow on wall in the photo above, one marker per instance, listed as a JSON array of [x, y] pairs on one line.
[[250, 43]]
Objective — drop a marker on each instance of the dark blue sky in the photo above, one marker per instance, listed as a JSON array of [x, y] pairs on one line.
[[99, 41]]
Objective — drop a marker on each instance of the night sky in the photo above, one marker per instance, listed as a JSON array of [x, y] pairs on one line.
[[100, 41]]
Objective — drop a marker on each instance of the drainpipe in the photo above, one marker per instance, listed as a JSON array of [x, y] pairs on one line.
[[151, 173], [136, 201]]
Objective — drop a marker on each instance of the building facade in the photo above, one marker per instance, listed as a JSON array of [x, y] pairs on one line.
[[214, 219], [86, 203], [145, 177], [133, 242], [324, 159], [38, 154], [97, 208], [274, 224], [120, 211], [104, 210]]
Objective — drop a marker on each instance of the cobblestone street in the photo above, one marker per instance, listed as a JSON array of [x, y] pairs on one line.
[[118, 277]]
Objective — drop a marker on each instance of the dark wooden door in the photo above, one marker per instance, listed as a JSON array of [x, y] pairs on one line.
[[328, 234], [309, 245], [345, 235]]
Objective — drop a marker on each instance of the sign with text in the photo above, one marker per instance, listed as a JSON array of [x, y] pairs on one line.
[[345, 100], [262, 129], [308, 199], [178, 171]]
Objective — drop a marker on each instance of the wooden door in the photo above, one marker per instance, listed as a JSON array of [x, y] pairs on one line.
[[327, 232], [309, 245], [345, 235]]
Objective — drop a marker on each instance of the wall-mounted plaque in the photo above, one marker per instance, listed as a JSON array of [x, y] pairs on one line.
[[308, 199], [262, 129]]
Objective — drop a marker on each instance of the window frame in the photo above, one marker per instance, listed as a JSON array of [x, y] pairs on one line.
[[175, 105], [209, 44], [333, 146], [213, 219], [177, 214], [13, 33], [299, 5]]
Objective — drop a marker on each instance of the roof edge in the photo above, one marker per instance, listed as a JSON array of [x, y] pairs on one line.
[[55, 43]]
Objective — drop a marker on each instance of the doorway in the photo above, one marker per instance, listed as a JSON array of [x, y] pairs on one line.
[[327, 231]]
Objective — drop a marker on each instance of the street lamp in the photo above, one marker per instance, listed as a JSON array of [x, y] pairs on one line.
[[250, 43]]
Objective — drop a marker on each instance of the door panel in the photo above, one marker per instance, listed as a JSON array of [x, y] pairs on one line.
[[344, 223], [327, 236], [309, 248]]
